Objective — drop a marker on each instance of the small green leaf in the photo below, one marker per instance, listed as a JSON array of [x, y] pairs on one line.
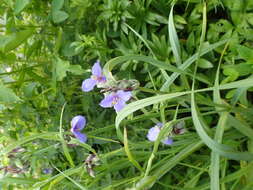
[[180, 19], [59, 16], [4, 40], [204, 64], [231, 73], [20, 5], [128, 152], [7, 95], [174, 42], [245, 53], [76, 69], [61, 67], [10, 42], [57, 5]]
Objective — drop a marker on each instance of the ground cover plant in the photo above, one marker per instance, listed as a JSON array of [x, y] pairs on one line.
[[126, 94]]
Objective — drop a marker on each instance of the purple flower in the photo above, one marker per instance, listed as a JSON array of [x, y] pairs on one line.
[[96, 78], [116, 99], [77, 124], [153, 133], [47, 170]]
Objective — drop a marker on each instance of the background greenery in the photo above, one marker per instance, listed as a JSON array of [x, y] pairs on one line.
[[47, 49]]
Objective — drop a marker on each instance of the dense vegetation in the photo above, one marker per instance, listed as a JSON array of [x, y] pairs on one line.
[[184, 68]]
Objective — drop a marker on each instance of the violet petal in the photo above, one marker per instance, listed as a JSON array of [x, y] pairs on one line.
[[96, 69], [119, 105], [88, 85], [124, 95], [107, 101], [153, 133], [167, 141], [77, 123], [80, 136]]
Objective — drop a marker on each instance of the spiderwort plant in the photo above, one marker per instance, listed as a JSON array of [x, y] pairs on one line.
[[116, 99], [77, 124], [97, 78], [153, 133]]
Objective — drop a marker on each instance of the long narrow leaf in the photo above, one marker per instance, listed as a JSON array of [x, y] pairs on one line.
[[213, 145], [174, 42]]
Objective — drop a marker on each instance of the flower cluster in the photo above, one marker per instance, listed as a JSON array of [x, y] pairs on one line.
[[97, 78], [116, 99]]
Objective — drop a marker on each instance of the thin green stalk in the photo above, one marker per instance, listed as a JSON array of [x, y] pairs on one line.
[[64, 144]]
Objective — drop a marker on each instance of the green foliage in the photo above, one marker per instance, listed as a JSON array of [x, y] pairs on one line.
[[12, 41], [57, 14], [192, 61], [20, 5], [7, 96]]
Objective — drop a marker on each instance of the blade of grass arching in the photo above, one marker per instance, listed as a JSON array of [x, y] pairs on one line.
[[213, 145], [174, 42], [166, 76], [215, 157], [69, 178], [64, 144], [175, 46], [197, 119], [188, 63], [129, 154], [113, 62]]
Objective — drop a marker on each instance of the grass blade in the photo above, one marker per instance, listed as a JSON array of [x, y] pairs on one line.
[[64, 144], [213, 145], [129, 154], [174, 42]]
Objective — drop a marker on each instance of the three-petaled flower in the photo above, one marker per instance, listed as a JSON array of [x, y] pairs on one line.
[[153, 133], [77, 124], [97, 78], [116, 99]]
